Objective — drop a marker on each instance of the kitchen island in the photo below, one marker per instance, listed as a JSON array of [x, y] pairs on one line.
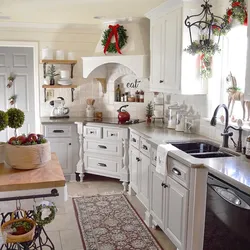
[[25, 189]]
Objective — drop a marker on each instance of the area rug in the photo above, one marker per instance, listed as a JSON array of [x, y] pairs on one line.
[[109, 222]]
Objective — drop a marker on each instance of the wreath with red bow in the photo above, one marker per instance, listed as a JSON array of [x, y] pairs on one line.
[[236, 11], [121, 39]]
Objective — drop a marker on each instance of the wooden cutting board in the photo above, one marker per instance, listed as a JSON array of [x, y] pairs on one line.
[[48, 176]]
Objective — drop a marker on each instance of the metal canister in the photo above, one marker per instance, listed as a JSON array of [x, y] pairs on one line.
[[248, 147]]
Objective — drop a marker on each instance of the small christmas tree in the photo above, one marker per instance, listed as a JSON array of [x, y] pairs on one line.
[[51, 73], [149, 110]]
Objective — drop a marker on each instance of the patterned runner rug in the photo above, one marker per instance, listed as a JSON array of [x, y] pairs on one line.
[[109, 222]]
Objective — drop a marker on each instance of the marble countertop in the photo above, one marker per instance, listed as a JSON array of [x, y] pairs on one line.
[[234, 170]]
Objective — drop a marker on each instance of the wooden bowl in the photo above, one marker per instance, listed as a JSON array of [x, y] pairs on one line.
[[27, 157]]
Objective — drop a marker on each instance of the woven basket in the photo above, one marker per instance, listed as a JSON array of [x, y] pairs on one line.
[[27, 157], [10, 238], [2, 146]]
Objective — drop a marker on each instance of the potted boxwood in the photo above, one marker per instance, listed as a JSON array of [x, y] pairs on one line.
[[15, 119], [3, 125]]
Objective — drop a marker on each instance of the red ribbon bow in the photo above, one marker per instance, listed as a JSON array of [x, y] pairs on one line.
[[114, 32]]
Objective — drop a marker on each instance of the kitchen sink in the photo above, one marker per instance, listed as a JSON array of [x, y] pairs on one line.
[[196, 147], [203, 149]]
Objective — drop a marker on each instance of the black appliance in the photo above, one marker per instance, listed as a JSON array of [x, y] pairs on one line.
[[227, 225]]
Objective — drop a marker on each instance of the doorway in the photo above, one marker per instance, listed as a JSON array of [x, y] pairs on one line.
[[21, 62]]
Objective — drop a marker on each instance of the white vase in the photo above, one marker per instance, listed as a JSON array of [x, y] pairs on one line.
[[2, 146]]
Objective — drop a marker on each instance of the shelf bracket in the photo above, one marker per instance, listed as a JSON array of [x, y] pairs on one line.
[[72, 94], [45, 95], [44, 70], [72, 67], [103, 83]]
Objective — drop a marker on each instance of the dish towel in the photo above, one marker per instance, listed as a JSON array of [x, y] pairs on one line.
[[162, 153]]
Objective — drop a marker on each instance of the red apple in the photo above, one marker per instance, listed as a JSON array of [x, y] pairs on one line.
[[12, 139], [21, 139], [32, 137]]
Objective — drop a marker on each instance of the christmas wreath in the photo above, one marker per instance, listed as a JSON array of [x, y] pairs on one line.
[[121, 39], [236, 11], [206, 53], [39, 214]]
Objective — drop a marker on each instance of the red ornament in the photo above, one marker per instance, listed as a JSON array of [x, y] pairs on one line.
[[235, 4], [246, 19], [114, 32]]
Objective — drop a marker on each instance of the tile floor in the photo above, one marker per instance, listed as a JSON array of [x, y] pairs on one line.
[[64, 231]]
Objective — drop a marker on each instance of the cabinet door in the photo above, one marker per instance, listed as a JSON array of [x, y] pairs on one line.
[[144, 168], [63, 150], [156, 196], [134, 157], [172, 51], [156, 44], [176, 211]]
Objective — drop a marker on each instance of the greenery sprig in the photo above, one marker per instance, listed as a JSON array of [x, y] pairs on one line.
[[3, 120]]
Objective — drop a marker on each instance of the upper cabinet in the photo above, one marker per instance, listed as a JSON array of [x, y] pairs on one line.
[[172, 69]]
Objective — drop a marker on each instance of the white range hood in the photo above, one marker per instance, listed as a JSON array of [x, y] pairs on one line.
[[135, 55]]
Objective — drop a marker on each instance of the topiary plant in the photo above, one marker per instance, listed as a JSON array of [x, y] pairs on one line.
[[15, 118], [3, 120]]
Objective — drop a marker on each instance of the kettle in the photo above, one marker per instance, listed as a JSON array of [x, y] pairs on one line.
[[123, 115], [58, 108]]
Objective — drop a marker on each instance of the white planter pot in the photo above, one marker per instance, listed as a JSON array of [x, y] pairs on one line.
[[2, 146]]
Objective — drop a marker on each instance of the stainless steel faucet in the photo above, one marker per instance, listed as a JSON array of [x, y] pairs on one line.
[[226, 132]]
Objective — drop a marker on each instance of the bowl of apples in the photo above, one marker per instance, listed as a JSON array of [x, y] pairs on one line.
[[27, 152]]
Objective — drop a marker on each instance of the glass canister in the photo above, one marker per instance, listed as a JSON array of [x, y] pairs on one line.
[[180, 120], [172, 115], [248, 147], [191, 124]]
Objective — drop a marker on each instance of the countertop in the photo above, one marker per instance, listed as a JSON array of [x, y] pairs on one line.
[[234, 170], [48, 176]]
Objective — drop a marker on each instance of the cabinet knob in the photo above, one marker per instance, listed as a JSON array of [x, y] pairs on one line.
[[133, 139], [112, 134], [145, 147], [91, 132], [69, 144], [138, 159]]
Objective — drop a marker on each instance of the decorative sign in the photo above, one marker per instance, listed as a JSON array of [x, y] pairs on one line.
[[133, 85]]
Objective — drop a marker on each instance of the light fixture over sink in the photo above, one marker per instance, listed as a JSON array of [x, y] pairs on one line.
[[204, 23]]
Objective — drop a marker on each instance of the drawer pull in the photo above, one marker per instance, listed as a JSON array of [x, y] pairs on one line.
[[145, 147], [91, 132], [112, 134], [155, 158], [102, 165], [58, 131], [102, 146], [164, 185], [133, 140], [176, 171], [138, 159], [161, 81]]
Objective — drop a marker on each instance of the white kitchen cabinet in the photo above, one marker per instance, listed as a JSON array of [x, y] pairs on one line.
[[172, 69], [157, 197], [63, 149], [134, 161], [176, 213], [144, 167]]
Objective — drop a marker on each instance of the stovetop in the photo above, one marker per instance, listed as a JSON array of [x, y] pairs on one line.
[[113, 121]]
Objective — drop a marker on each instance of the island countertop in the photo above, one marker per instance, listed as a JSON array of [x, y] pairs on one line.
[[48, 176]]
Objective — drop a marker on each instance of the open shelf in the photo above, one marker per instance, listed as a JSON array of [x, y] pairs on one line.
[[58, 61], [72, 63], [72, 87]]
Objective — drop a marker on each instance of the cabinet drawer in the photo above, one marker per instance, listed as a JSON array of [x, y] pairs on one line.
[[102, 147], [135, 140], [113, 134], [178, 172], [145, 147], [153, 156], [93, 132], [102, 165], [57, 131]]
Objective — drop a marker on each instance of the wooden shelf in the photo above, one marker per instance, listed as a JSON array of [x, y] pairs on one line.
[[58, 61], [72, 63], [72, 87], [57, 86]]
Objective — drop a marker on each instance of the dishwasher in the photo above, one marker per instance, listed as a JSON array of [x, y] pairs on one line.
[[227, 224]]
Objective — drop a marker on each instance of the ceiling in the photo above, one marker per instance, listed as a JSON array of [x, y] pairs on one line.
[[72, 11]]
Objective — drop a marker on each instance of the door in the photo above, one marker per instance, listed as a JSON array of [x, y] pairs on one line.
[[156, 78], [144, 168], [134, 158], [172, 51], [157, 196], [19, 61], [63, 149], [176, 213]]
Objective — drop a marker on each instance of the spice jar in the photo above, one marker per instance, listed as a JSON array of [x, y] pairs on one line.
[[137, 96], [141, 96], [248, 148]]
